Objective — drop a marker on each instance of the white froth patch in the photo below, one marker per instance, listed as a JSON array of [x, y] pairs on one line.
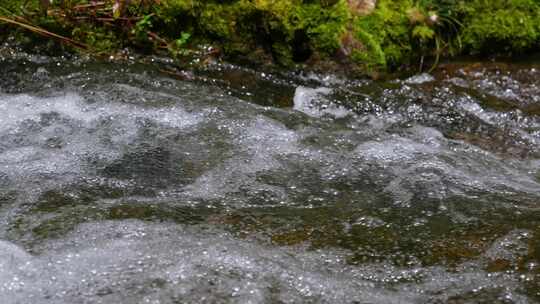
[[17, 108], [20, 163], [420, 79], [56, 136], [424, 157], [476, 110], [397, 149], [312, 102], [136, 262], [11, 255]]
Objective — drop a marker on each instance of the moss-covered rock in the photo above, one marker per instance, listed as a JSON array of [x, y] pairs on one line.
[[384, 34], [368, 35], [290, 30], [501, 24]]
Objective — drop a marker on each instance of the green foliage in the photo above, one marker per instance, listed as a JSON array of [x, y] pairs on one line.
[[98, 38], [396, 33], [389, 28], [323, 26], [242, 25], [178, 47], [512, 25], [17, 7], [182, 41], [218, 20], [141, 28], [423, 33], [402, 31], [372, 57]]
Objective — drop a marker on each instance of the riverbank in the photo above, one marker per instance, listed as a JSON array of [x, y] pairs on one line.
[[355, 36]]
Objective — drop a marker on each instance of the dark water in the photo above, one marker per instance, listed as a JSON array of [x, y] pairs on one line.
[[124, 183]]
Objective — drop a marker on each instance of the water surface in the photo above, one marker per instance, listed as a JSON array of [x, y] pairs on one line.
[[129, 183]]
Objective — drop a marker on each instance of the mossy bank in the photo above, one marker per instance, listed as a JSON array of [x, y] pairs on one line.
[[360, 36]]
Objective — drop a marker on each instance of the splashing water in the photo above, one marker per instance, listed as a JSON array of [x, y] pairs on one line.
[[119, 184]]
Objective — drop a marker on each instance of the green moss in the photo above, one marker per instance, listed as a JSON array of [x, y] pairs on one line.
[[17, 7], [324, 27], [99, 39], [372, 56], [281, 27], [219, 20], [386, 34], [512, 25], [397, 33]]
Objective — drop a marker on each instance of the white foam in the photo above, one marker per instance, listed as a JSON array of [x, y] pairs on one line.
[[312, 102], [446, 168], [136, 262], [56, 136], [420, 79], [133, 262]]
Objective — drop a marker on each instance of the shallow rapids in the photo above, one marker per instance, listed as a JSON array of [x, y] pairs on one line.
[[120, 183]]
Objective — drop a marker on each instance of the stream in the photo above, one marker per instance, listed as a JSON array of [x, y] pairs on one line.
[[124, 182]]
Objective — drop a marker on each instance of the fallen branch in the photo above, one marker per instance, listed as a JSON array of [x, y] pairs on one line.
[[91, 5], [106, 18], [154, 36], [45, 33]]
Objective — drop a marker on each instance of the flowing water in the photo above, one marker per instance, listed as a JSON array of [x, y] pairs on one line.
[[120, 183]]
